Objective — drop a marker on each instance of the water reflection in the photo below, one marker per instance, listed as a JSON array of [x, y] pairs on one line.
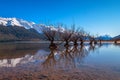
[[11, 50], [70, 57], [12, 55], [117, 44]]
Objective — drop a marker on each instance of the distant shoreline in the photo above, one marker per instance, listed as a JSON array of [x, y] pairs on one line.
[[43, 41]]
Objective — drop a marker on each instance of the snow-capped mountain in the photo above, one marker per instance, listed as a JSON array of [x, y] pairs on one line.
[[26, 24], [20, 23], [16, 22], [105, 37], [19, 29]]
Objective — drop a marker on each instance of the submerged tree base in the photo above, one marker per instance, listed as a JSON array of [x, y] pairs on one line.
[[52, 46]]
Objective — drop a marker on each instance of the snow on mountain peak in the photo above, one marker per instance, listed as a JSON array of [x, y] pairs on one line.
[[16, 22], [27, 24], [9, 21]]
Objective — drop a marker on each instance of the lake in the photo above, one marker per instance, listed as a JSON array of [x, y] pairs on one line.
[[34, 60]]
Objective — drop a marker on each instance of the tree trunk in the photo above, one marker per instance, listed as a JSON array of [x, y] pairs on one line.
[[115, 42], [75, 43], [52, 45], [66, 43], [95, 42], [91, 42], [81, 42]]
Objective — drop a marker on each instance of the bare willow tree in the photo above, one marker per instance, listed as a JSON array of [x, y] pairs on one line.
[[50, 35], [100, 40], [96, 39], [67, 34], [93, 39], [75, 37], [82, 36]]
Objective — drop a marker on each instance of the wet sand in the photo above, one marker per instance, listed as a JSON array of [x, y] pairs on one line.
[[83, 73]]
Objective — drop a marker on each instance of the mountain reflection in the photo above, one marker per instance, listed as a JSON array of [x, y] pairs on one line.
[[12, 54], [67, 57]]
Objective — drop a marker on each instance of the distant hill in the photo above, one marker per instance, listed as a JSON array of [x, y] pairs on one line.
[[10, 33], [104, 37], [116, 37]]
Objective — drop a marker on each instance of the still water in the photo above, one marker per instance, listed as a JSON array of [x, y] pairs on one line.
[[20, 54]]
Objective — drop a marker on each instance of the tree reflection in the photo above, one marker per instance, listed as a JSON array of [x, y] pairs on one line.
[[92, 47], [117, 44], [70, 57], [50, 59]]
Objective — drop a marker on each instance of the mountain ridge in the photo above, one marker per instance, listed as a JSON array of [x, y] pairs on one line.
[[104, 37], [25, 24], [19, 29], [16, 22], [116, 37]]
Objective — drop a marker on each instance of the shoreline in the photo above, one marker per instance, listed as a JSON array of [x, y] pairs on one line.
[[43, 41]]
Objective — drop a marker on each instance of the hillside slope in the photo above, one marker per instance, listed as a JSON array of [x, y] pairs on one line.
[[10, 33]]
